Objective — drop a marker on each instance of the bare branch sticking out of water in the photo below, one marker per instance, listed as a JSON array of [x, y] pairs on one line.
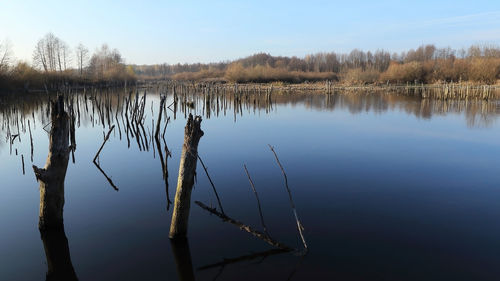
[[31, 140], [212, 183], [246, 228], [13, 138], [95, 161], [22, 160], [258, 201], [165, 128], [299, 224], [103, 143]]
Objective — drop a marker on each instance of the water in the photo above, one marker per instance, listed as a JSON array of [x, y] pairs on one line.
[[387, 187]]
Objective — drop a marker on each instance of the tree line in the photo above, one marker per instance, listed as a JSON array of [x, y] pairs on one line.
[[55, 62], [425, 64]]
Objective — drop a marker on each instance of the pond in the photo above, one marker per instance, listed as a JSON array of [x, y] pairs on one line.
[[387, 187]]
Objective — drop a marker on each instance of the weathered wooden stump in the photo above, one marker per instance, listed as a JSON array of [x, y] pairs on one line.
[[185, 181], [51, 177]]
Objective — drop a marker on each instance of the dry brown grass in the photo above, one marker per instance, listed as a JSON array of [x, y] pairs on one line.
[[402, 73], [262, 74], [484, 70], [205, 74], [358, 76]]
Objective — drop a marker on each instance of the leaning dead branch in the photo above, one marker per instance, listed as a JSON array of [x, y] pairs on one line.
[[266, 238], [97, 157], [103, 143], [299, 224], [258, 201], [212, 183]]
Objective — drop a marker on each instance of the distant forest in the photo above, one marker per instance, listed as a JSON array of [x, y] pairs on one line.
[[426, 64]]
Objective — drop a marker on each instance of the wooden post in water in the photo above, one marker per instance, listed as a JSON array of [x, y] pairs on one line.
[[51, 177], [185, 181]]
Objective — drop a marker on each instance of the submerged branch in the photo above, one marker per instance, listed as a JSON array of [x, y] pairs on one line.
[[246, 228]]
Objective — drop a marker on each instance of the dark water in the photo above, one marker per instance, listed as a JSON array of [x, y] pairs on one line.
[[387, 188]]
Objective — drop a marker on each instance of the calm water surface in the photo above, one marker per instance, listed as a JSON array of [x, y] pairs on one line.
[[387, 188]]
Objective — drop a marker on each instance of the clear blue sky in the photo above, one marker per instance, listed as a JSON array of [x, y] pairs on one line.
[[149, 32]]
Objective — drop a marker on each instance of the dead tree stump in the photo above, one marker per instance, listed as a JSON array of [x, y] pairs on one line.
[[51, 177], [185, 181]]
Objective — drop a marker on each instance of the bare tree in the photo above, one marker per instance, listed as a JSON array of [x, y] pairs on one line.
[[51, 53], [40, 56], [64, 55], [5, 55], [105, 62], [82, 57]]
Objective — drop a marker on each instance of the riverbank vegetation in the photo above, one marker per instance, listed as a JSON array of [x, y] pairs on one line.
[[55, 64], [426, 64]]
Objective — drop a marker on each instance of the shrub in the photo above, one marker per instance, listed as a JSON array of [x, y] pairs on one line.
[[484, 70], [402, 73], [360, 76]]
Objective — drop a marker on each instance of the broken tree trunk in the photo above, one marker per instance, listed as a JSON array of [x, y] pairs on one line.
[[51, 177], [185, 181]]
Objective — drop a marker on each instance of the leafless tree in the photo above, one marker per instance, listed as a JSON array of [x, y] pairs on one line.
[[51, 53], [105, 61], [63, 55], [5, 55], [82, 57]]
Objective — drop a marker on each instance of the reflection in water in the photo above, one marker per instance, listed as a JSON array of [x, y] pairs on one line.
[[57, 253], [112, 108], [129, 112], [182, 256], [163, 161], [97, 162], [246, 257], [51, 179], [164, 165]]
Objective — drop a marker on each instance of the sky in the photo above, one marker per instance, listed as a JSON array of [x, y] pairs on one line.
[[149, 32]]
